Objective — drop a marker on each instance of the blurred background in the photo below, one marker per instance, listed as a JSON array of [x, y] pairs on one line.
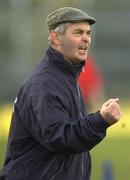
[[23, 40]]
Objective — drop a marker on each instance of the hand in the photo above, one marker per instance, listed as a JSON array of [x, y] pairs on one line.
[[110, 111]]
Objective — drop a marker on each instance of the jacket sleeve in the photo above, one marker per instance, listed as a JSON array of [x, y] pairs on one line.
[[47, 119]]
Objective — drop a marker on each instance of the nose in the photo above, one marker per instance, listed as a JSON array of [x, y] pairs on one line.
[[85, 38]]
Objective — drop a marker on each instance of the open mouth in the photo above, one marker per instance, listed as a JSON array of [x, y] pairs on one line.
[[83, 49]]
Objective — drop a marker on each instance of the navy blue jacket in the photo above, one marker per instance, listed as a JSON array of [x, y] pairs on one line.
[[51, 133]]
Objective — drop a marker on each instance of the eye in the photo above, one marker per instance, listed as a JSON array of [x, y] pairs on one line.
[[88, 32], [78, 32]]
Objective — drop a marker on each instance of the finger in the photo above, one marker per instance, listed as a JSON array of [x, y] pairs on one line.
[[116, 100], [112, 100]]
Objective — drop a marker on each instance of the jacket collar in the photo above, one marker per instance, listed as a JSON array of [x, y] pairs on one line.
[[59, 60]]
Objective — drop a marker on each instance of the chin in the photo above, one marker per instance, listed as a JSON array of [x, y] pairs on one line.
[[83, 59]]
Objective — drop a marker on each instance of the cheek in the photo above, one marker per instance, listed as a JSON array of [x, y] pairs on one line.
[[70, 47], [67, 49], [89, 41], [70, 44]]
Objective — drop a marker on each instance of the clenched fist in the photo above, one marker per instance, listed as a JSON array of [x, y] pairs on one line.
[[110, 111]]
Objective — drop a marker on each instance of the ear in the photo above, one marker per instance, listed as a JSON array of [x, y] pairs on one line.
[[55, 38]]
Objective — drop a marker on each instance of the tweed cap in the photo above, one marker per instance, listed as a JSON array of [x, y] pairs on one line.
[[67, 14]]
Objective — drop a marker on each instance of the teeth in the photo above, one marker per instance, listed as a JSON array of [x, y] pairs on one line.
[[83, 48]]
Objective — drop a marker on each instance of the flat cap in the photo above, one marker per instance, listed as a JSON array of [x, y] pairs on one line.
[[67, 15]]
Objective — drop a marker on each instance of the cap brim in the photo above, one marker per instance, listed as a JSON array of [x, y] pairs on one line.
[[89, 20]]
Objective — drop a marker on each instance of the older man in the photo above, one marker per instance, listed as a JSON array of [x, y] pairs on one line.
[[51, 133]]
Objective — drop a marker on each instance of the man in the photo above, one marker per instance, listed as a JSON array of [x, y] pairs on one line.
[[51, 133]]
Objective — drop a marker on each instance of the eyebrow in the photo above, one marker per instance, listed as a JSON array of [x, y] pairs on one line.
[[80, 30]]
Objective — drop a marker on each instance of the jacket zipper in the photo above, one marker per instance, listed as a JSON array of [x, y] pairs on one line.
[[58, 172], [82, 168]]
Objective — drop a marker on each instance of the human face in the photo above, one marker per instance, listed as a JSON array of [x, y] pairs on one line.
[[74, 44]]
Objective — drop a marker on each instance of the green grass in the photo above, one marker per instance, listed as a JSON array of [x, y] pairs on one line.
[[117, 152], [115, 149]]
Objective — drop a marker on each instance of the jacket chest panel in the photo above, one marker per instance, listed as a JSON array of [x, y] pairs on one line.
[[75, 100]]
